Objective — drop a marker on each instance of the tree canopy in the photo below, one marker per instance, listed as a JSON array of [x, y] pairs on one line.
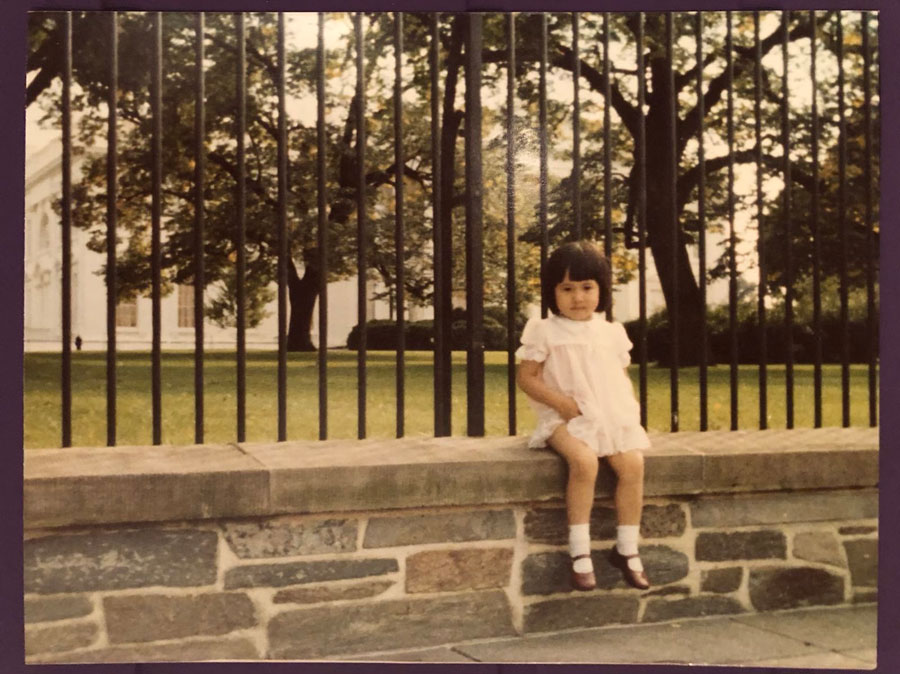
[[90, 69]]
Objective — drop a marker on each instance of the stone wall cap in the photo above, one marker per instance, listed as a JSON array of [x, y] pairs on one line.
[[76, 486], [136, 460]]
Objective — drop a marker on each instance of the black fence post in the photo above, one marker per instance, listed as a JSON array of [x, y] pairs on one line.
[[474, 232]]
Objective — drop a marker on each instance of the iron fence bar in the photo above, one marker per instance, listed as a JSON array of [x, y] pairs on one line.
[[760, 243], [788, 228], [701, 234], [321, 230], [282, 235], [871, 328], [361, 233], [732, 235], [542, 151], [842, 220], [511, 221], [576, 127], [66, 300], [474, 231], [111, 199], [607, 155], [442, 362], [642, 219], [241, 225], [199, 223], [814, 229], [672, 171], [399, 161], [155, 254]]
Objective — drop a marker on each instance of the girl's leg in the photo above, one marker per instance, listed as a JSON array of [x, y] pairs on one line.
[[629, 498], [629, 495], [583, 466]]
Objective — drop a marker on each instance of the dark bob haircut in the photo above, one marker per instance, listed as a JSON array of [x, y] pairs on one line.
[[583, 261]]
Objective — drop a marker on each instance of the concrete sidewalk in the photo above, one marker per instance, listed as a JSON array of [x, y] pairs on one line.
[[817, 638]]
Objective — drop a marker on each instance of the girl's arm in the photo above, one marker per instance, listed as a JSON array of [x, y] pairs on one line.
[[530, 380]]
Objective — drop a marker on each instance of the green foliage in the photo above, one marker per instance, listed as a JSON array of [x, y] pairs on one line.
[[718, 328], [419, 335]]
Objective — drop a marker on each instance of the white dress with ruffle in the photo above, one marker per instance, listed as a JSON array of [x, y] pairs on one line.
[[586, 360]]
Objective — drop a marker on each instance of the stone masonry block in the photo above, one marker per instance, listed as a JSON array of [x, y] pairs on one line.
[[818, 546], [156, 617], [317, 632], [857, 530], [324, 593], [548, 525], [690, 607], [45, 609], [862, 555], [775, 588], [668, 590], [775, 508], [662, 521], [548, 572], [452, 527], [771, 469], [58, 638], [298, 573], [113, 485], [285, 537], [721, 580], [190, 650], [727, 546], [120, 559], [454, 570], [590, 611]]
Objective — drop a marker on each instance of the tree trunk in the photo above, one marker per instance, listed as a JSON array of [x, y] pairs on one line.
[[302, 293], [672, 270]]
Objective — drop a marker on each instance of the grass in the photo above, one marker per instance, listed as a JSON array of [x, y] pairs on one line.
[[42, 421]]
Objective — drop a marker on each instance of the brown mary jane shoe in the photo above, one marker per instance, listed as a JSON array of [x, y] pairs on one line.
[[636, 579], [583, 581]]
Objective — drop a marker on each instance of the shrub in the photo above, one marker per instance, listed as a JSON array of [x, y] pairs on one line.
[[719, 337], [382, 334]]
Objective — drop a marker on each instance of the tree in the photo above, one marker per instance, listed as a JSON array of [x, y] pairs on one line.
[[683, 72], [91, 75]]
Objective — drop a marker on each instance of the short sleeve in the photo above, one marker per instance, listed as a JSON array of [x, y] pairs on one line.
[[534, 341], [622, 344]]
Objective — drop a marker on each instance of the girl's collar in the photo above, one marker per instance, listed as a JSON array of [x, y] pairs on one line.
[[570, 321]]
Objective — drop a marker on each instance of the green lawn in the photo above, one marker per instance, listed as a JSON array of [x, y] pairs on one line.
[[42, 397]]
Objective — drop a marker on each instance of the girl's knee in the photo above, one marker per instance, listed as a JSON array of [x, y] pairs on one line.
[[583, 465], [629, 466]]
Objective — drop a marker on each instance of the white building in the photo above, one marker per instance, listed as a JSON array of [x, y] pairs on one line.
[[43, 282], [43, 279]]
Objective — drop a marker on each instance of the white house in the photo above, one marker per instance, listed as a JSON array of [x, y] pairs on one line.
[[43, 278], [43, 282]]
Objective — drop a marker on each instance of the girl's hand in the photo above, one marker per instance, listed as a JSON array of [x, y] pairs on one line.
[[568, 408]]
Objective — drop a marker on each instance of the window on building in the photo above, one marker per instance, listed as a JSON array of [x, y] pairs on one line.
[[126, 314], [185, 306]]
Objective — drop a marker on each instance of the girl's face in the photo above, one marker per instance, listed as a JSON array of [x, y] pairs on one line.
[[577, 300]]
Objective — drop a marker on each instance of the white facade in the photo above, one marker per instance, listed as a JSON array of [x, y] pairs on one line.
[[43, 278], [43, 283]]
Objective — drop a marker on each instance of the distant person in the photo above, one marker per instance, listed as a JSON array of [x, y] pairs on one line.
[[78, 342], [572, 367]]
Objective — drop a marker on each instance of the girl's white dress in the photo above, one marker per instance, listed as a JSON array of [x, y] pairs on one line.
[[586, 360]]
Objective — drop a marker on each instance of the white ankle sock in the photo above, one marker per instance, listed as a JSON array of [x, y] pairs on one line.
[[627, 544], [580, 544]]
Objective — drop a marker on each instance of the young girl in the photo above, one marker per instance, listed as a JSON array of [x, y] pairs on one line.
[[572, 368]]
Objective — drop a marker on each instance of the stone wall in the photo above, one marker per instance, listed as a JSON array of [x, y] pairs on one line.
[[315, 585]]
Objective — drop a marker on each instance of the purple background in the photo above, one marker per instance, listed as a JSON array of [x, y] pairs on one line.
[[12, 80]]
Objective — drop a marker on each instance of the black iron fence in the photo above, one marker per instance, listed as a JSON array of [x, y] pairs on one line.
[[658, 215]]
